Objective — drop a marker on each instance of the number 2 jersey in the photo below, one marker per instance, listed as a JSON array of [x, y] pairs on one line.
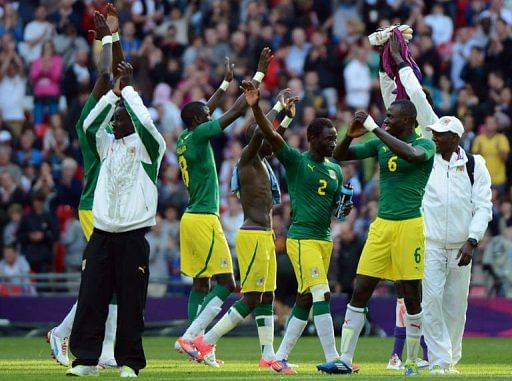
[[314, 190], [402, 183], [198, 170]]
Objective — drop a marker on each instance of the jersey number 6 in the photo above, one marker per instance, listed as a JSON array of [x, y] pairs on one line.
[[322, 184], [392, 163], [184, 170]]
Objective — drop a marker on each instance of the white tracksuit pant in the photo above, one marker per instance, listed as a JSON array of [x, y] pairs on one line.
[[445, 301]]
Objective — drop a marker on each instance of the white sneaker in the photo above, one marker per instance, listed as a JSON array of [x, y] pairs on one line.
[[451, 370], [107, 362], [59, 347], [395, 363], [437, 370], [83, 370], [127, 372], [420, 363]]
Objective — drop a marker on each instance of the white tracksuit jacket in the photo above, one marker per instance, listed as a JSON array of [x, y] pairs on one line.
[[454, 211], [126, 194]]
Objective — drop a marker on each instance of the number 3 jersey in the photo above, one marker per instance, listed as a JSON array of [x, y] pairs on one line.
[[402, 183], [314, 190], [197, 165]]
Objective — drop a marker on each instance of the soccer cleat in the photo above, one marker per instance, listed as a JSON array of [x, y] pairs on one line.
[[82, 370], [356, 368], [282, 366], [436, 370], [127, 372], [395, 363], [177, 347], [335, 367], [59, 347], [451, 370], [421, 363], [268, 363], [104, 362], [206, 351], [187, 346], [411, 369]]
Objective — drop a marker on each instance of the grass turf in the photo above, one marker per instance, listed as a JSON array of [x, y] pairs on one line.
[[29, 359]]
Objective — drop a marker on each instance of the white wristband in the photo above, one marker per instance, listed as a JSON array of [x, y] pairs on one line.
[[106, 40], [259, 76], [370, 124], [278, 107], [286, 121], [224, 85], [115, 37]]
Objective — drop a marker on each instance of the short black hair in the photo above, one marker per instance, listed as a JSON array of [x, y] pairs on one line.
[[316, 127], [406, 107], [190, 111]]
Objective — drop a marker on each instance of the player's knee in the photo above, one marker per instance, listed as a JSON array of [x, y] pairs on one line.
[[320, 293], [227, 281], [267, 297], [252, 299], [304, 300], [201, 285]]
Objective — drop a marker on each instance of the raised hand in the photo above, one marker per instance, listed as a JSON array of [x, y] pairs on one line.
[[356, 128], [252, 94], [112, 19], [283, 95], [229, 67], [290, 106], [101, 26], [265, 58], [125, 71]]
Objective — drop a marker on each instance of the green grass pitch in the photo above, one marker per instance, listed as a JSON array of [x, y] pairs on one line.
[[29, 359]]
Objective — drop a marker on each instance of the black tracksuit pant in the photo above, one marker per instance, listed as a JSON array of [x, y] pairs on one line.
[[113, 262]]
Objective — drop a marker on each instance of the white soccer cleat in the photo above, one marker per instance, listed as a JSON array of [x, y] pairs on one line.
[[437, 370], [127, 372], [395, 363], [83, 370], [59, 347], [421, 364]]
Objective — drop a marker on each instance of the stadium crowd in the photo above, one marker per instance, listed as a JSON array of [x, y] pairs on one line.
[[48, 66]]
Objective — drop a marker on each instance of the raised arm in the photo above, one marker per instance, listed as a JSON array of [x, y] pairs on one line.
[[343, 151], [252, 94], [117, 50], [96, 122], [240, 104], [105, 64], [217, 96]]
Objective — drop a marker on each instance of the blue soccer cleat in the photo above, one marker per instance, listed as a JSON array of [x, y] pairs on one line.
[[335, 367]]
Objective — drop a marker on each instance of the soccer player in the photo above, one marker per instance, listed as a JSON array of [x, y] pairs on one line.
[[314, 184], [204, 250], [125, 201], [395, 246], [258, 189], [111, 55], [450, 241]]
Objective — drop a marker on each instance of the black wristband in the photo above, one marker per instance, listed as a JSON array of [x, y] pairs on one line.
[[473, 242], [402, 65]]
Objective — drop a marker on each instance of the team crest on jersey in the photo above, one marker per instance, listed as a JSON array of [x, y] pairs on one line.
[[332, 174], [131, 151], [223, 263], [314, 272], [260, 281]]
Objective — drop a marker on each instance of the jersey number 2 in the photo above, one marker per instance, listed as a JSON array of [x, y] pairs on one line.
[[184, 170], [322, 184]]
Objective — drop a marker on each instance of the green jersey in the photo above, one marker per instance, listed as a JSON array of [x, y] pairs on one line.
[[198, 171], [402, 183], [314, 190], [90, 155]]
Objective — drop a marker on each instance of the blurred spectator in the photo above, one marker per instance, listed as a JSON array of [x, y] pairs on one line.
[[357, 80], [442, 25], [349, 248], [28, 153], [169, 119], [73, 241], [68, 188], [13, 267], [37, 234], [77, 76], [497, 260], [68, 44], [12, 89], [147, 14], [474, 73], [67, 13], [10, 191], [129, 42], [14, 212], [36, 34], [495, 148], [45, 74], [11, 23], [231, 221], [297, 54], [159, 254]]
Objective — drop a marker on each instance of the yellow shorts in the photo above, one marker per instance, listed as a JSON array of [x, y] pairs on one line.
[[256, 254], [204, 250], [87, 222], [394, 250], [310, 260]]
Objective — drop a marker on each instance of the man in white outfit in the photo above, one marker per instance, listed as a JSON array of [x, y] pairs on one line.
[[457, 208]]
